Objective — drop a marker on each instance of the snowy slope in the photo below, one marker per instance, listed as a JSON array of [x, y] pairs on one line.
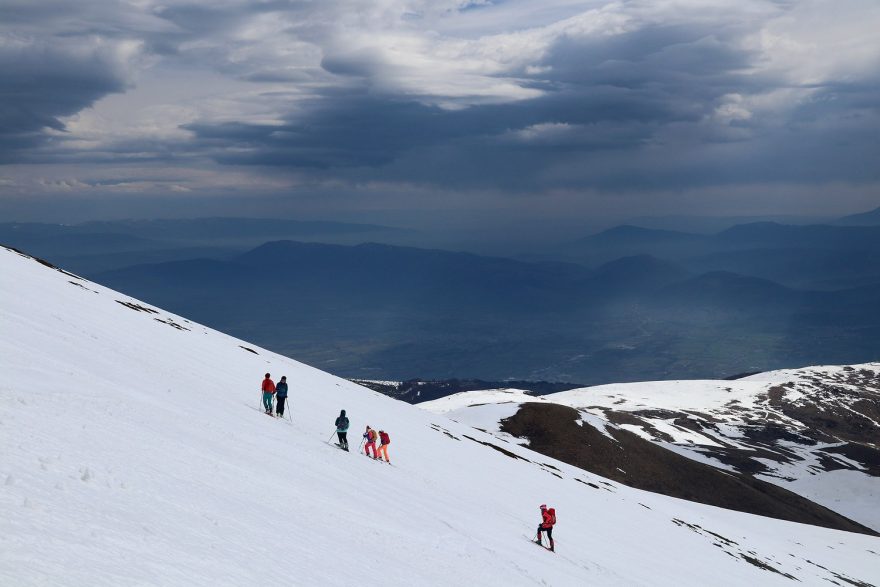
[[765, 423], [134, 453]]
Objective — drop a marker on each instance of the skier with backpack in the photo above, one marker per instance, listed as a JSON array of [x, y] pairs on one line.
[[342, 431], [370, 442], [548, 520], [280, 396], [385, 440], [268, 388]]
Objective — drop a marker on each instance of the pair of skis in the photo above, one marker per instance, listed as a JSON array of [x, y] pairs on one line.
[[272, 413], [540, 543]]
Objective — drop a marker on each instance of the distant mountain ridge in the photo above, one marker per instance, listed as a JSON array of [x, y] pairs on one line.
[[92, 247], [638, 303], [636, 235], [870, 218], [804, 256], [220, 228], [377, 311]]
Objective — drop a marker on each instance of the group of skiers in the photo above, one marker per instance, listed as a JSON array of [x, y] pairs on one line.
[[374, 441], [371, 437], [278, 392], [378, 442]]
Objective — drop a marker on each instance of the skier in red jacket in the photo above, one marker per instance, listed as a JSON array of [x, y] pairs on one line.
[[548, 519], [268, 390]]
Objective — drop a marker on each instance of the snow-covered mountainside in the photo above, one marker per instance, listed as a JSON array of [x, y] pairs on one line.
[[134, 453], [814, 431]]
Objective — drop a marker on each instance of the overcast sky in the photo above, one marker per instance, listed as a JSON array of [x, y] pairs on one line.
[[538, 110]]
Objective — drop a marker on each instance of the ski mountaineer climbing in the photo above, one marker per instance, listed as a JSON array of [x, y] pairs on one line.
[[342, 430], [370, 442], [280, 396], [383, 448], [268, 389], [548, 520]]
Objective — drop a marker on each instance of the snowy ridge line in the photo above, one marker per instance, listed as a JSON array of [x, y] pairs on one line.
[[136, 461]]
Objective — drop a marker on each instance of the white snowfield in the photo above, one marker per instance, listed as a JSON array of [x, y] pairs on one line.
[[134, 453]]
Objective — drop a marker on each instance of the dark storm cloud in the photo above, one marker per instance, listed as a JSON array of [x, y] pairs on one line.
[[44, 82], [652, 97], [601, 98]]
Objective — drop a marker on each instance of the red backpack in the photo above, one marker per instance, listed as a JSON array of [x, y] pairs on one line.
[[552, 512]]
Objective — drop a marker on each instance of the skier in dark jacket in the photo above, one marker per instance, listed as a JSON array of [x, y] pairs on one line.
[[281, 396], [548, 519], [342, 430]]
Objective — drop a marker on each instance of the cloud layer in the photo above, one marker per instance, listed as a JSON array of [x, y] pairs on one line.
[[508, 96]]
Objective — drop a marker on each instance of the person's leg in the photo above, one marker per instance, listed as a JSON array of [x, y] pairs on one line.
[[280, 407], [550, 537], [345, 440], [267, 401], [340, 436], [538, 534]]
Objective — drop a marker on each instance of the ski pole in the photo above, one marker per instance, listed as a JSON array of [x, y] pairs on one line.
[[331, 436]]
